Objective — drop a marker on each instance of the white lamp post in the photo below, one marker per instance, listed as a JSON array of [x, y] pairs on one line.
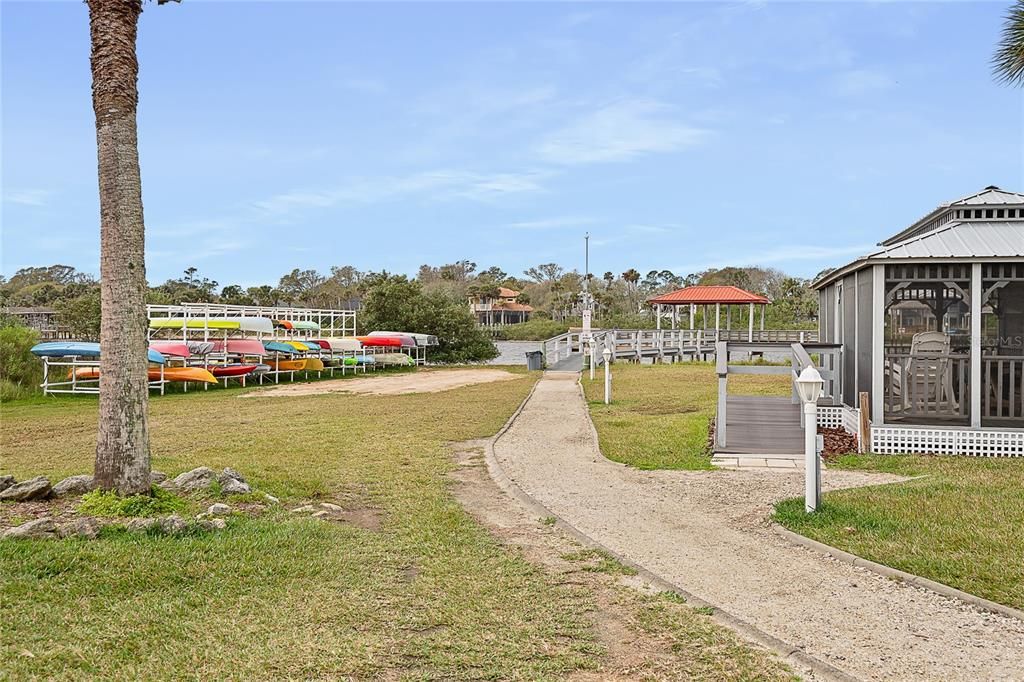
[[593, 357], [607, 376], [809, 385]]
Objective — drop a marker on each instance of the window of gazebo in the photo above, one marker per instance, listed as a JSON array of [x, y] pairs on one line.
[[953, 343]]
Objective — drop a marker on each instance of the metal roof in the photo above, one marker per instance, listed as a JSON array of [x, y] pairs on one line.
[[968, 239], [703, 293], [991, 195], [955, 240]]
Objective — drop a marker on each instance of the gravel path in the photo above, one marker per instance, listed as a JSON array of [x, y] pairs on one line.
[[706, 532]]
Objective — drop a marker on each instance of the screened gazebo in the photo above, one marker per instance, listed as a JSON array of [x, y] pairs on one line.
[[932, 328]]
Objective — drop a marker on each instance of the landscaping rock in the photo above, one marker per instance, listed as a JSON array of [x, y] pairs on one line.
[[173, 524], [321, 514], [140, 525], [74, 485], [305, 509], [331, 507], [232, 482], [86, 527], [156, 477], [199, 478], [33, 489], [271, 499], [213, 524], [36, 529], [218, 509], [6, 482], [233, 486]]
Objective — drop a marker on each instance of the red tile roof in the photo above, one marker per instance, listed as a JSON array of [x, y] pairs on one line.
[[708, 294], [505, 292]]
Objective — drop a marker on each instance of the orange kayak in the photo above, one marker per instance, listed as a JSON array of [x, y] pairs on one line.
[[286, 365], [170, 374]]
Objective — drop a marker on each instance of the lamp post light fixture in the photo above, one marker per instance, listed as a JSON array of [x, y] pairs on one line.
[[808, 386], [607, 376]]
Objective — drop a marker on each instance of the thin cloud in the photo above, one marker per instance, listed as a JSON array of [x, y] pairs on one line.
[[857, 82], [27, 197], [552, 223], [438, 184], [618, 132]]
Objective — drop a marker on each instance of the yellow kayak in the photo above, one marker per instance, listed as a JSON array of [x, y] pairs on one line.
[[286, 365], [170, 374]]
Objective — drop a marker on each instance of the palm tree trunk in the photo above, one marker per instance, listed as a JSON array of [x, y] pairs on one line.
[[122, 447]]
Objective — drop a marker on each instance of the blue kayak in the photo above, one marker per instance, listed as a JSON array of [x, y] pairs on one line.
[[279, 347], [81, 349]]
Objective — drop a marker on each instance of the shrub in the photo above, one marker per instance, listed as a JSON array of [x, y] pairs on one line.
[[395, 303], [18, 367], [109, 503]]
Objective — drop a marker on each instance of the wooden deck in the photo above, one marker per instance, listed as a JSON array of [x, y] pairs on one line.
[[758, 425]]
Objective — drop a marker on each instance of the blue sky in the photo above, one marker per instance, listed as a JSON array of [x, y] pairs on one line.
[[682, 136]]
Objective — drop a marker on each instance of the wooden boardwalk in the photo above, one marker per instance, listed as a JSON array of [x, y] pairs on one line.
[[757, 425]]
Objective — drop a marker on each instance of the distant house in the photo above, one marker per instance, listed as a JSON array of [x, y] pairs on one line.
[[499, 307], [43, 320], [931, 326]]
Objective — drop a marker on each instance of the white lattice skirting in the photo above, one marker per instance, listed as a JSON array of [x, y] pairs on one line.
[[898, 440], [839, 416]]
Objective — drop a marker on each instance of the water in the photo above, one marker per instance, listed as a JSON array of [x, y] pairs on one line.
[[514, 352]]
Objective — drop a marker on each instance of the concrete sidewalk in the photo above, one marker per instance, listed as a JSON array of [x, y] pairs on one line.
[[705, 531]]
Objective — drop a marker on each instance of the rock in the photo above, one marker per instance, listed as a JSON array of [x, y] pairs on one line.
[[156, 477], [33, 489], [218, 509], [140, 525], [320, 514], [74, 485], [167, 484], [172, 525], [233, 486], [331, 507], [86, 527], [305, 509], [37, 529], [213, 524], [271, 499], [199, 478], [6, 482], [228, 472]]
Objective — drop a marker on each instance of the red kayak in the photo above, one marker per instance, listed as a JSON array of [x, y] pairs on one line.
[[231, 370], [383, 341], [176, 348], [241, 346], [323, 344]]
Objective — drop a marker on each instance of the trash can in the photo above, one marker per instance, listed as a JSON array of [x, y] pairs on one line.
[[535, 360]]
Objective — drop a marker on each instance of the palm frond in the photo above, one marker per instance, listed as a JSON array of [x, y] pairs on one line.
[[1008, 61]]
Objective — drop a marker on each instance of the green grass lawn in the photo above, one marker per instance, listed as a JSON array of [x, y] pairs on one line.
[[429, 595], [659, 414], [961, 525]]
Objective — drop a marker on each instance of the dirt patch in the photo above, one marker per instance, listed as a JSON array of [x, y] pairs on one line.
[[422, 381], [59, 509], [631, 651]]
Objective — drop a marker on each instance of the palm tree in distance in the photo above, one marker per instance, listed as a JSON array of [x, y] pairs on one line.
[[1008, 61]]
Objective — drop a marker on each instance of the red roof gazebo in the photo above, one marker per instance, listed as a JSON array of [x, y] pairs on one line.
[[707, 295]]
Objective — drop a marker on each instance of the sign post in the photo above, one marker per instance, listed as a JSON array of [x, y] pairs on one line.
[[607, 376]]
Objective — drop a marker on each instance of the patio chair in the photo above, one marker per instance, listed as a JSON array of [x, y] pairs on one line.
[[929, 372]]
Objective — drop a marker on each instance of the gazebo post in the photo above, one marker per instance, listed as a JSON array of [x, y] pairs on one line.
[[657, 316], [750, 323], [718, 318]]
